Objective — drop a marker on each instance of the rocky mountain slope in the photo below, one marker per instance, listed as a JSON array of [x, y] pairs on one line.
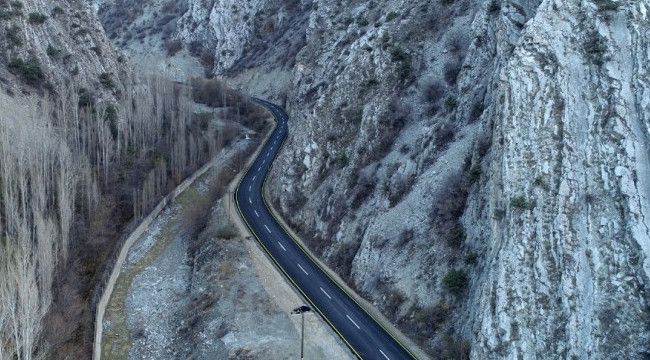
[[87, 146], [476, 169]]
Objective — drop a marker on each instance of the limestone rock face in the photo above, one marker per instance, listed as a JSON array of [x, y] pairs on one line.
[[505, 139], [65, 39], [567, 278]]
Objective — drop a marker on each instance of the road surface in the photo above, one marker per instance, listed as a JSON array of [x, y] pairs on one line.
[[366, 338]]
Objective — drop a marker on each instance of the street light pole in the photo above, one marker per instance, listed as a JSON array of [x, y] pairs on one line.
[[302, 310], [302, 337]]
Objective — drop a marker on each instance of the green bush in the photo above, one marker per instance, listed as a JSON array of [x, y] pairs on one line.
[[456, 236], [455, 281], [13, 36], [471, 258], [477, 111], [404, 70], [455, 348], [110, 115], [521, 202], [607, 5], [227, 232], [372, 82], [107, 81], [391, 16], [57, 10], [451, 103], [539, 182], [474, 174], [342, 160], [595, 48], [494, 7], [86, 98], [53, 52], [362, 21], [398, 54], [30, 70], [37, 18]]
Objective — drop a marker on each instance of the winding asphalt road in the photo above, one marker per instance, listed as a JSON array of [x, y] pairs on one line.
[[366, 338]]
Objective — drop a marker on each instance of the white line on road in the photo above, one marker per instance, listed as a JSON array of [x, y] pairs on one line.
[[250, 200], [256, 214], [279, 243], [267, 229], [303, 270], [260, 169], [249, 187], [387, 358], [326, 294], [254, 177], [355, 324]]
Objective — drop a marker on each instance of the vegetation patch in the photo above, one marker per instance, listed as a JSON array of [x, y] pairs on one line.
[[456, 236], [522, 202], [53, 52], [451, 103], [13, 36], [30, 70], [403, 60], [595, 48], [607, 5], [36, 18], [228, 231], [471, 258], [455, 281], [106, 80], [391, 16]]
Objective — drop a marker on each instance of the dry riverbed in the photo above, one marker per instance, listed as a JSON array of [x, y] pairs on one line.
[[200, 290]]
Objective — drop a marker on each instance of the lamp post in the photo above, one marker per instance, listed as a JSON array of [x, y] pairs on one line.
[[302, 310]]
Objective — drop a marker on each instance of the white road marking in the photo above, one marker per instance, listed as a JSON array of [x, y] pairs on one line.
[[254, 177], [326, 294], [256, 214], [279, 243], [303, 270], [250, 200], [267, 229], [355, 324], [249, 187], [387, 358]]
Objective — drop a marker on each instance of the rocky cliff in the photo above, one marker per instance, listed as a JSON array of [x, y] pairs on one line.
[[476, 169]]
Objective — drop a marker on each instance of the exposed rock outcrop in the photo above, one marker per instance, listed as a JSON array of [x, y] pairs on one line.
[[477, 169]]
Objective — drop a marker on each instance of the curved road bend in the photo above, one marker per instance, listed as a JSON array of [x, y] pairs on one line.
[[362, 334]]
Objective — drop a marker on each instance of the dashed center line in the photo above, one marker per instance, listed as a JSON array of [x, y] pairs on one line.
[[250, 187], [256, 214], [386, 356], [267, 229], [303, 270], [254, 177], [282, 246], [250, 200], [355, 324], [326, 294]]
